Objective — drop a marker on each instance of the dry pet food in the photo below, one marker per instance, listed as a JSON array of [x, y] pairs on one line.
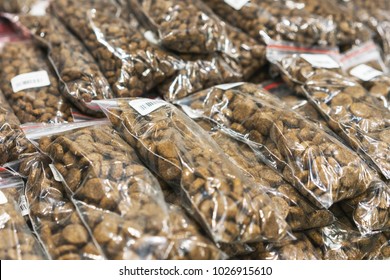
[[54, 217], [318, 165], [186, 26], [279, 20], [130, 63], [230, 207], [80, 77], [30, 86], [17, 242]]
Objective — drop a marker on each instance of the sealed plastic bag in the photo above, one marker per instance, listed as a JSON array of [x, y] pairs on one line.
[[80, 78], [118, 198], [318, 165], [354, 115], [299, 249], [17, 242], [186, 26], [30, 85], [299, 213], [53, 215], [281, 20], [230, 207], [130, 63]]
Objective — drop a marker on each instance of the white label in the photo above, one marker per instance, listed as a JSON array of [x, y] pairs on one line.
[[236, 4], [39, 8], [23, 205], [56, 174], [320, 61], [228, 86], [30, 80], [145, 106], [365, 72], [3, 199], [149, 35], [193, 114]]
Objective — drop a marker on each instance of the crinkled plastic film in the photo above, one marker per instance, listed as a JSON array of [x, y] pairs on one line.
[[80, 78], [119, 199], [185, 26], [231, 208], [298, 212], [318, 165], [36, 104], [381, 250], [354, 115], [299, 249], [17, 242], [279, 20], [199, 72], [54, 217], [189, 242], [130, 63]]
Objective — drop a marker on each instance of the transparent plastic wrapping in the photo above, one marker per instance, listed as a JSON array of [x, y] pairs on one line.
[[365, 63], [354, 115], [297, 63], [188, 241], [119, 199], [30, 85], [199, 72], [185, 26], [80, 78], [54, 217], [17, 242], [370, 210], [318, 165], [341, 240], [130, 63], [299, 213], [231, 208], [280, 20], [381, 250], [299, 249]]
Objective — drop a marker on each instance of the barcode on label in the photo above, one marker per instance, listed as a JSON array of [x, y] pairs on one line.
[[320, 61], [23, 205], [365, 72], [30, 80], [3, 199], [236, 4], [145, 106]]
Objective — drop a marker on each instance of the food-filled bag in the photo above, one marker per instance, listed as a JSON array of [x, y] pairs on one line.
[[318, 165], [130, 63], [231, 208], [278, 19], [16, 6], [17, 241], [53, 216], [80, 78], [30, 85], [185, 26], [299, 213]]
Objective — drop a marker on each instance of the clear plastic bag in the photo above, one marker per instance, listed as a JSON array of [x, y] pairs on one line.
[[186, 26], [231, 208], [16, 6], [318, 165], [117, 197], [17, 242], [80, 78], [30, 85], [130, 63], [381, 250], [354, 115], [299, 249], [299, 213], [54, 217], [281, 20]]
